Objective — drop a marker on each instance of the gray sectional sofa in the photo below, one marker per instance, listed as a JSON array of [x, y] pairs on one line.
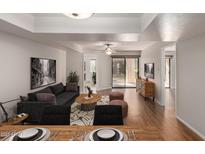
[[35, 108]]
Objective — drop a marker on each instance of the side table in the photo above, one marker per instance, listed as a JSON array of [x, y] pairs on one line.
[[17, 120]]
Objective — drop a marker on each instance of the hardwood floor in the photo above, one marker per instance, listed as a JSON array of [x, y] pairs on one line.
[[150, 115]]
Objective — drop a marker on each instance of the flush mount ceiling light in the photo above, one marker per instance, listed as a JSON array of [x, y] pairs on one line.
[[79, 15]]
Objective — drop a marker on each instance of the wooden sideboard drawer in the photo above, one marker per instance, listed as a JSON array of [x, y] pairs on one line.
[[147, 88]]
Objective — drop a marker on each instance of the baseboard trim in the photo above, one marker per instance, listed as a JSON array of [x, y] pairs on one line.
[[157, 101], [190, 127], [104, 89]]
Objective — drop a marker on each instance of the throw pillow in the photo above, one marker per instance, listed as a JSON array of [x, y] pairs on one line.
[[32, 96], [72, 87], [58, 88], [46, 97]]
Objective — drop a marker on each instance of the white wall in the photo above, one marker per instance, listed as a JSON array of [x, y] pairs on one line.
[[153, 55], [173, 72], [190, 83], [103, 69], [15, 54], [75, 63]]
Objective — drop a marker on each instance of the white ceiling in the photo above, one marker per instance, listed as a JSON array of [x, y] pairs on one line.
[[174, 27], [102, 23], [117, 46], [127, 32]]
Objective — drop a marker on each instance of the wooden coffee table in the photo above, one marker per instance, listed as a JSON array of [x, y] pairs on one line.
[[88, 104]]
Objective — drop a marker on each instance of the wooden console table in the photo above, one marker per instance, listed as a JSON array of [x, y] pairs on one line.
[[145, 88]]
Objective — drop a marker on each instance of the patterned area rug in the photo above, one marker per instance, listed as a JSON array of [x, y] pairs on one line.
[[84, 118]]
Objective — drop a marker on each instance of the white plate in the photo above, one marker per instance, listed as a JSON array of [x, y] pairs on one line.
[[28, 133], [86, 138], [90, 137], [106, 134], [45, 135]]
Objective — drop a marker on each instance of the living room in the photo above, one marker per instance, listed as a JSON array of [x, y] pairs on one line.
[[102, 76]]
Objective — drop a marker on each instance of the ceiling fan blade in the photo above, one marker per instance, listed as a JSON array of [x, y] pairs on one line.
[[100, 50]]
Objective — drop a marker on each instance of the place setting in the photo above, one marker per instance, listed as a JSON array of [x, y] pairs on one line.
[[30, 134], [106, 134], [44, 134]]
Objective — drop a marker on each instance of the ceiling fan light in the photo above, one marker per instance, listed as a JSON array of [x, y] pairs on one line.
[[108, 52], [108, 49], [79, 15]]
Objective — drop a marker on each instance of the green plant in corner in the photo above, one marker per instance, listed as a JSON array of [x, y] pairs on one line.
[[72, 77]]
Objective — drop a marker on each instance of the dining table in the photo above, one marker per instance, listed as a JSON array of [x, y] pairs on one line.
[[78, 133]]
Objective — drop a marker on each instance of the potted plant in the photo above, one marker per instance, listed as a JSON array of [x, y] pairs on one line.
[[73, 77]]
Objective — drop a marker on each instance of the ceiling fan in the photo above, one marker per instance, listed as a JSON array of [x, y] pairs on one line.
[[108, 50]]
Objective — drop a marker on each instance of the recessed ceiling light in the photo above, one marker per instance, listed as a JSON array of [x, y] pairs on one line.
[[79, 15]]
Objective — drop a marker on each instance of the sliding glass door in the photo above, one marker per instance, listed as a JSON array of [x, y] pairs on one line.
[[118, 72], [131, 72], [124, 72]]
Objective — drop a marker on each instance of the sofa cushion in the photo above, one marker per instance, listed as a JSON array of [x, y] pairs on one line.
[[57, 89], [65, 97], [32, 96], [33, 108], [46, 97], [72, 87]]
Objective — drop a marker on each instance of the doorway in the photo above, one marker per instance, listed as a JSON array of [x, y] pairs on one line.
[[90, 74], [168, 94], [125, 71], [167, 72]]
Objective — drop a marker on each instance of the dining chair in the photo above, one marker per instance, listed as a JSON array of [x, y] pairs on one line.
[[108, 115]]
